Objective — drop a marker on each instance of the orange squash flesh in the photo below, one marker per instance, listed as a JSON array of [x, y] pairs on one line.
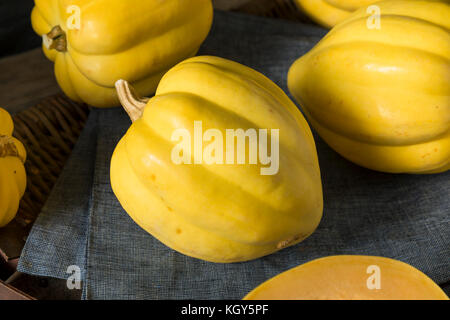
[[349, 278]]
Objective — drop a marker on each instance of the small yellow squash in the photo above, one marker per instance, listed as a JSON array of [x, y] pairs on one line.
[[96, 42], [381, 97], [215, 211], [13, 179], [329, 13], [350, 278]]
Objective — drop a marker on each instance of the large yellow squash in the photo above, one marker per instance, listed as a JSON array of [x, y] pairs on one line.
[[13, 179], [381, 97], [350, 278], [96, 42], [328, 13], [208, 210]]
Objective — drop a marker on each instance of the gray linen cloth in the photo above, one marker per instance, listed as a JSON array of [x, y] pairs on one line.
[[405, 217]]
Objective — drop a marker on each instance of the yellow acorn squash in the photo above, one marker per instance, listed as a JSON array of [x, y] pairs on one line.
[[381, 97], [13, 179], [217, 211], [328, 13], [350, 278], [96, 42]]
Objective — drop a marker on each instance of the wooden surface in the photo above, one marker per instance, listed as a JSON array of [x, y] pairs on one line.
[[228, 4], [10, 293], [26, 79], [12, 240], [42, 288]]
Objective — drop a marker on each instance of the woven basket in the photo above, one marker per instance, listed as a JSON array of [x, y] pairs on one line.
[[50, 129]]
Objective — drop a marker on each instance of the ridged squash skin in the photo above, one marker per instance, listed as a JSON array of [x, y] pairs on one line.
[[218, 212], [13, 178], [329, 13], [135, 40], [350, 278], [381, 97]]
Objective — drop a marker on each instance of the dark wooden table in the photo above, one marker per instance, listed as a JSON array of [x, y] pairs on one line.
[[25, 79]]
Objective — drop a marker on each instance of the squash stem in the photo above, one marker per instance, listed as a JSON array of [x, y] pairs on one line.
[[55, 39], [131, 101], [8, 147]]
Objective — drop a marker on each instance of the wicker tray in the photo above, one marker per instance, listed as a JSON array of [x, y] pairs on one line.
[[50, 129]]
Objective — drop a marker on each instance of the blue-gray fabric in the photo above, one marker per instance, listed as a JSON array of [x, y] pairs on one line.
[[405, 217], [58, 238]]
